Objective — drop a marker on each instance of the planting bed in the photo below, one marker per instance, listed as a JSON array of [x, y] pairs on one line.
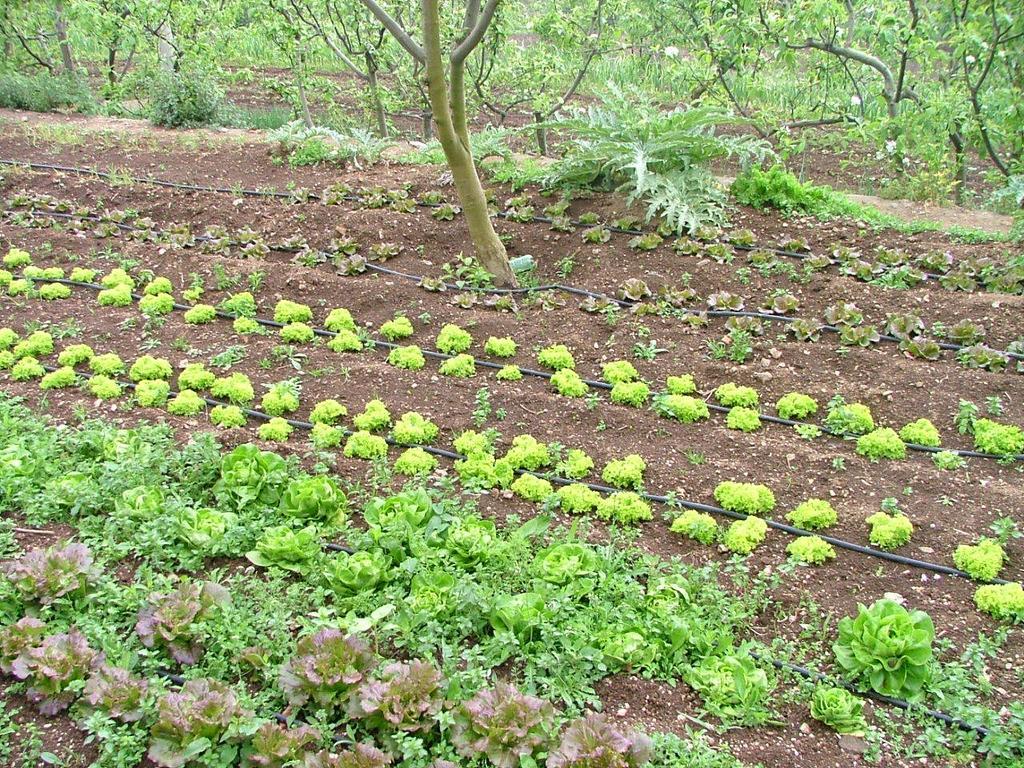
[[783, 614]]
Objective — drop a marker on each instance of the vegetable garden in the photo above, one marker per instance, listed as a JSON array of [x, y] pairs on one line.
[[287, 480]]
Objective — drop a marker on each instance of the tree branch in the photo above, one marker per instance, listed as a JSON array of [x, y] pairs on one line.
[[476, 34], [397, 30]]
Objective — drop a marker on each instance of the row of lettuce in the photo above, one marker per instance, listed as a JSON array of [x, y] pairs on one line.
[[679, 401], [453, 596]]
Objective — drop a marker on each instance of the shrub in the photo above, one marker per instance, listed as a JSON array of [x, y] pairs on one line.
[[731, 395], [568, 383], [413, 429], [500, 347], [54, 291], [411, 358], [453, 340], [64, 376], [184, 99], [743, 536], [397, 328], [796, 405], [509, 373], [149, 367], [624, 507], [328, 412], [415, 461], [882, 443], [887, 649], [345, 341], [619, 372], [227, 416], [286, 311], [460, 366], [839, 709], [339, 320], [998, 439], [576, 464], [152, 393], [578, 499], [889, 531], [1004, 602], [634, 393], [850, 419], [108, 364], [527, 453], [104, 387], [276, 430], [983, 561], [374, 418], [363, 445], [921, 432], [195, 376], [682, 408], [186, 403], [235, 388], [556, 357], [812, 550], [626, 473], [680, 385], [747, 498], [532, 488], [699, 526], [813, 515], [743, 419]]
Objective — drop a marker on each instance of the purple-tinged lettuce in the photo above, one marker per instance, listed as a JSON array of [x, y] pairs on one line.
[[174, 621], [276, 745], [360, 756], [405, 697], [199, 717], [44, 575], [117, 692], [503, 724], [53, 668], [18, 639], [592, 742], [327, 668]]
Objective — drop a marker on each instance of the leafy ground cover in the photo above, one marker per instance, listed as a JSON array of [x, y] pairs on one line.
[[158, 555]]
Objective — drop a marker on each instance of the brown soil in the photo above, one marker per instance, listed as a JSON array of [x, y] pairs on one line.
[[948, 509]]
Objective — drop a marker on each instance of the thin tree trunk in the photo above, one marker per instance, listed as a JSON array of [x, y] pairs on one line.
[[374, 87], [300, 77], [111, 60], [60, 24], [448, 105], [960, 166], [165, 52], [542, 134], [426, 126]]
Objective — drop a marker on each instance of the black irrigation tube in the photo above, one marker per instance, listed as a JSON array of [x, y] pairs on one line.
[[928, 275], [573, 290], [816, 676], [670, 501], [434, 354]]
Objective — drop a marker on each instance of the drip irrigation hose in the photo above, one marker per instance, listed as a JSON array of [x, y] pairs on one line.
[[572, 290], [670, 501], [790, 254], [803, 671], [532, 372]]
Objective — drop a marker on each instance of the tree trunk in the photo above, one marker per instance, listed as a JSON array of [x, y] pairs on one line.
[[300, 78], [542, 134], [449, 107], [165, 52], [374, 87], [111, 60], [60, 24], [960, 166], [426, 126]]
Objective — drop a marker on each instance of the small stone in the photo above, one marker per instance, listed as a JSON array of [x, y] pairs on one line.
[[763, 376]]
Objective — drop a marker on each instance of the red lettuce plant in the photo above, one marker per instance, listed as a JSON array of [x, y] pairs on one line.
[[199, 717], [43, 575], [174, 621], [53, 667], [503, 724], [360, 756], [117, 692], [406, 697], [18, 639], [275, 745], [328, 667], [592, 742]]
